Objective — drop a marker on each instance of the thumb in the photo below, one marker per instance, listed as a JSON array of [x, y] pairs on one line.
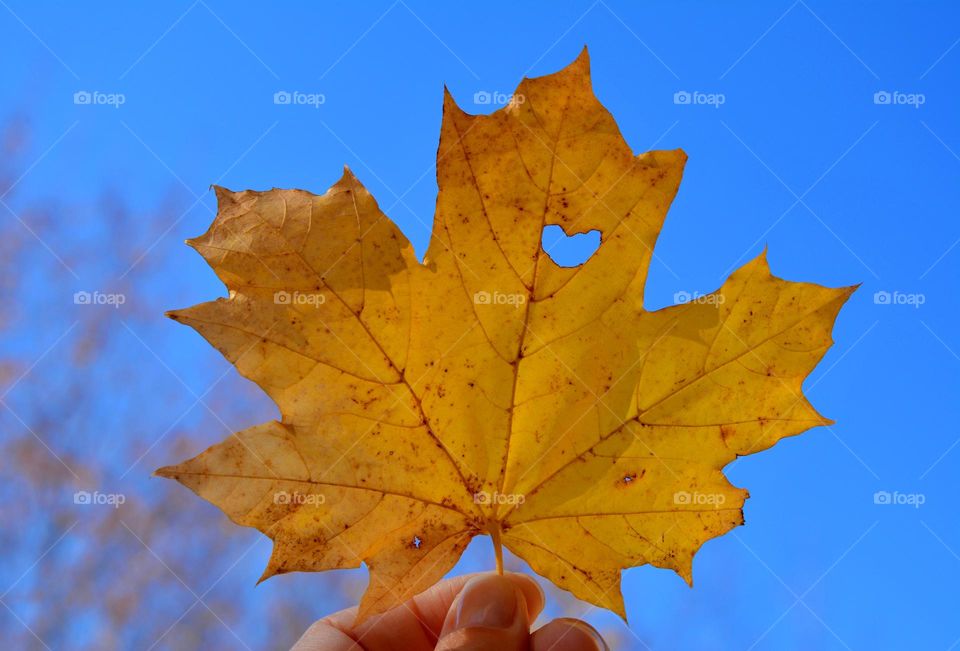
[[489, 614]]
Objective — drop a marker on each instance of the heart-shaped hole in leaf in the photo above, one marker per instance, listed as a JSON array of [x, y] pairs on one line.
[[569, 250]]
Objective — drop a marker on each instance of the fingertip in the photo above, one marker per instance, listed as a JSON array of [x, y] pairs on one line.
[[532, 593], [438, 599], [567, 634], [489, 613], [324, 636]]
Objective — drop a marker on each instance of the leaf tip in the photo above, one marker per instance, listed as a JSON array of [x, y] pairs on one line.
[[167, 472], [762, 260], [450, 104], [579, 68], [268, 572], [225, 197], [684, 568], [584, 56], [622, 612]]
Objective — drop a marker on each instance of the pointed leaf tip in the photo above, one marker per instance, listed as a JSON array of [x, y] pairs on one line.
[[581, 64], [450, 103], [223, 194], [348, 178], [268, 572]]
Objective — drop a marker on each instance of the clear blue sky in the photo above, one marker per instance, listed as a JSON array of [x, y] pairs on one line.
[[797, 152]]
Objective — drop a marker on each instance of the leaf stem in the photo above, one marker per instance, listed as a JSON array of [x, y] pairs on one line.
[[495, 532]]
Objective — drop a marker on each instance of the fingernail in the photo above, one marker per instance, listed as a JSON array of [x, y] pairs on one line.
[[487, 601], [588, 632]]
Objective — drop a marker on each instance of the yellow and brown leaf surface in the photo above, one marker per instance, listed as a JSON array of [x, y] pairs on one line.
[[487, 390]]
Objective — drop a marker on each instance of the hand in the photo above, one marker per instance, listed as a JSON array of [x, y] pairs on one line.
[[477, 612]]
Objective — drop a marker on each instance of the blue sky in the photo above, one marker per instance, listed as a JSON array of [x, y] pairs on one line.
[[827, 132]]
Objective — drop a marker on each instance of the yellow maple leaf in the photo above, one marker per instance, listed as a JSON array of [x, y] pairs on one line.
[[488, 390]]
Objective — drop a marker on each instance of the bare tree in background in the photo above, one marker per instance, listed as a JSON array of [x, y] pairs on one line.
[[89, 408]]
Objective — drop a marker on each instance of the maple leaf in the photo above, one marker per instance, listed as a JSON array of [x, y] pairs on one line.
[[488, 390]]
